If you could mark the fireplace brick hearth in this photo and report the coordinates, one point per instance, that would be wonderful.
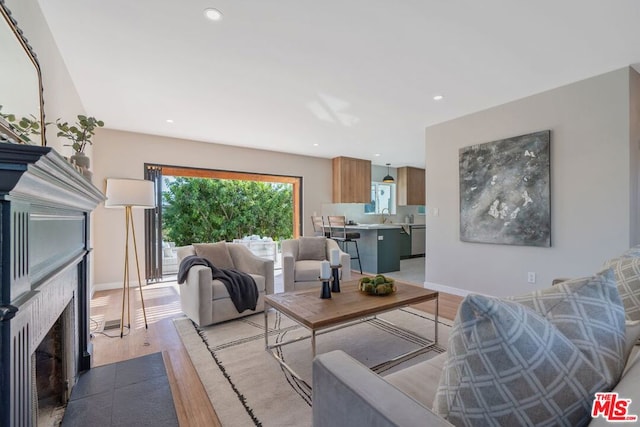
(45, 206)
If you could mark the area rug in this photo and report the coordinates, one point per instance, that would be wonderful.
(247, 386)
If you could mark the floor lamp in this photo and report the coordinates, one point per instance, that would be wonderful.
(129, 194)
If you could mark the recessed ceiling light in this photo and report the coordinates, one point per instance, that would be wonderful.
(316, 144)
(438, 97)
(213, 14)
(169, 121)
(377, 154)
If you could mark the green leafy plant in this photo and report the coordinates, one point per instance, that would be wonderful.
(23, 127)
(209, 210)
(79, 133)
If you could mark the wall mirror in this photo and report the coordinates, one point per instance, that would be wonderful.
(20, 86)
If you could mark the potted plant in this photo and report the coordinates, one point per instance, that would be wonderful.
(80, 134)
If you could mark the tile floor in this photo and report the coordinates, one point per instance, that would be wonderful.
(134, 392)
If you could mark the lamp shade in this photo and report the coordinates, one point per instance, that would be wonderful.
(136, 193)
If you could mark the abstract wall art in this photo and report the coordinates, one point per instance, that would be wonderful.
(504, 191)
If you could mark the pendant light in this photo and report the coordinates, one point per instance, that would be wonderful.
(388, 178)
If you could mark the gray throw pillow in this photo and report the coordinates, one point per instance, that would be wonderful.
(312, 248)
(507, 365)
(216, 253)
(589, 312)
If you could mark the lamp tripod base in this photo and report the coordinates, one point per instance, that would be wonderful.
(125, 283)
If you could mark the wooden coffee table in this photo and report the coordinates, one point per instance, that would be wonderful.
(345, 308)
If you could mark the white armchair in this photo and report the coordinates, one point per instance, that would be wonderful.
(301, 260)
(206, 301)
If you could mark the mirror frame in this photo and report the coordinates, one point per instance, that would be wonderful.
(5, 127)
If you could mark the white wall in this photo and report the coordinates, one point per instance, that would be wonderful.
(591, 194)
(119, 154)
(60, 96)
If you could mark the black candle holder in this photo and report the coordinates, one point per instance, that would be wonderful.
(326, 290)
(335, 287)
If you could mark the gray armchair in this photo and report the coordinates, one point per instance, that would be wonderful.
(301, 260)
(206, 301)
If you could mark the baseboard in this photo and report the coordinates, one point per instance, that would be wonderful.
(447, 289)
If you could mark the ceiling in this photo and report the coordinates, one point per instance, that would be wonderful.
(328, 78)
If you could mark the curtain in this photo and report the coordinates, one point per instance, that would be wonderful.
(153, 227)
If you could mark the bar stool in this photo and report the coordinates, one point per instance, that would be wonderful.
(319, 228)
(338, 232)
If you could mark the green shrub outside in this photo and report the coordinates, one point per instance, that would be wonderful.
(212, 210)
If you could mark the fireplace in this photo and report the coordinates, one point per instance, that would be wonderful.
(45, 207)
(52, 364)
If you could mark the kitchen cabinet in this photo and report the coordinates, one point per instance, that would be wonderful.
(388, 254)
(418, 240)
(411, 186)
(351, 180)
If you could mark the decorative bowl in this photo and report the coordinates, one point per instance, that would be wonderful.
(378, 285)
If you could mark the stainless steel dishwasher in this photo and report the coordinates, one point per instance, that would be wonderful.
(418, 239)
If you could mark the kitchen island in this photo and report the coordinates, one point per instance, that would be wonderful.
(379, 246)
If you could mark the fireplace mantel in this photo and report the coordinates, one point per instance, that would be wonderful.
(45, 207)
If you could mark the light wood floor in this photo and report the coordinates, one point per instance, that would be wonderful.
(162, 304)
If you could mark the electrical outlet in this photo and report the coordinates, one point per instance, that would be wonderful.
(531, 277)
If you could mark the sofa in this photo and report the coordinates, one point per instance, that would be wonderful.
(535, 359)
(301, 260)
(206, 301)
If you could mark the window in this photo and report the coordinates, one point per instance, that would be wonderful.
(383, 198)
(155, 250)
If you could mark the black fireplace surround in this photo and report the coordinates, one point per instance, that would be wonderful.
(45, 207)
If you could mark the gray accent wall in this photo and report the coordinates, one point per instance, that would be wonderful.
(634, 153)
(594, 184)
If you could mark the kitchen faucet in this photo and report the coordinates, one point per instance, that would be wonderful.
(383, 219)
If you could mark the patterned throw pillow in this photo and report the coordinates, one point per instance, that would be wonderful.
(632, 252)
(508, 365)
(588, 311)
(627, 272)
